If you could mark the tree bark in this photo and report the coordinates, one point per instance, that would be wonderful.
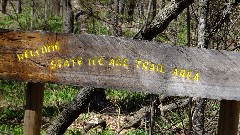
(162, 19)
(4, 6)
(72, 111)
(152, 113)
(224, 16)
(56, 7)
(81, 19)
(134, 121)
(19, 6)
(202, 23)
(131, 7)
(202, 31)
(46, 9)
(33, 14)
(139, 12)
(154, 8)
(67, 17)
(117, 31)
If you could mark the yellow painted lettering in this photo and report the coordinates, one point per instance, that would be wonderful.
(44, 49)
(196, 77)
(53, 65)
(59, 63)
(118, 61)
(57, 46)
(73, 61)
(100, 61)
(188, 76)
(145, 65)
(152, 66)
(48, 48)
(66, 63)
(91, 61)
(175, 71)
(20, 56)
(79, 61)
(182, 72)
(138, 61)
(31, 53)
(26, 54)
(53, 47)
(111, 62)
(124, 63)
(159, 68)
(37, 52)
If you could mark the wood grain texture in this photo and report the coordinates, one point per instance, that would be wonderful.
(33, 109)
(218, 71)
(229, 117)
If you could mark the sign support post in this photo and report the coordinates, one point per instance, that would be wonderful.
(33, 109)
(229, 117)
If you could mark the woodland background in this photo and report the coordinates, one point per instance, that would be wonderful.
(200, 23)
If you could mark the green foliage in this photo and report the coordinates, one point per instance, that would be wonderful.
(54, 23)
(11, 129)
(12, 92)
(96, 27)
(137, 132)
(23, 21)
(128, 33)
(58, 95)
(181, 34)
(130, 101)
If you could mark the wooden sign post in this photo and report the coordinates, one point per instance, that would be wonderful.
(33, 109)
(110, 62)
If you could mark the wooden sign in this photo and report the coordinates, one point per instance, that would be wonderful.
(110, 62)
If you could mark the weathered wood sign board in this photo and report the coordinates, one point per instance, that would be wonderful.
(110, 62)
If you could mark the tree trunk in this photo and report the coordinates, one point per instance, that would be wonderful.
(202, 23)
(162, 4)
(72, 111)
(139, 12)
(33, 14)
(19, 6)
(117, 31)
(56, 7)
(200, 103)
(121, 7)
(81, 19)
(131, 7)
(67, 17)
(152, 114)
(46, 9)
(198, 118)
(162, 19)
(148, 12)
(154, 8)
(4, 6)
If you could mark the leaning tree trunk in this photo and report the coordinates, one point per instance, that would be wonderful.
(71, 112)
(162, 19)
